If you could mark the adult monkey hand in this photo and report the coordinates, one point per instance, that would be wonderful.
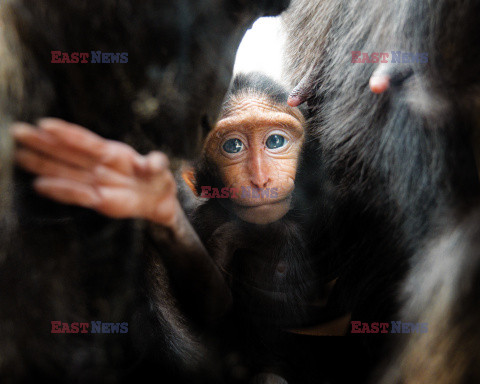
(79, 167)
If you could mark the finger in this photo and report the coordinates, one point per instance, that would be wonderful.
(74, 136)
(122, 203)
(157, 162)
(153, 163)
(115, 154)
(120, 157)
(160, 184)
(68, 191)
(106, 176)
(44, 166)
(110, 201)
(129, 203)
(140, 165)
(43, 142)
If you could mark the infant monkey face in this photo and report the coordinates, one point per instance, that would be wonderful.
(256, 147)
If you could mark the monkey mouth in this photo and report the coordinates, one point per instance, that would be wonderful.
(256, 203)
(264, 212)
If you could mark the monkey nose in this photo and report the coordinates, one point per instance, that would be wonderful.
(260, 182)
(259, 170)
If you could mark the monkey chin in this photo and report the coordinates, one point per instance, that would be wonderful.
(264, 213)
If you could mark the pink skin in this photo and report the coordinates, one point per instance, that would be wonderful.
(379, 83)
(302, 91)
(76, 166)
(295, 101)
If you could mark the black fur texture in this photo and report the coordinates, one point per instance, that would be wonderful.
(72, 265)
(399, 163)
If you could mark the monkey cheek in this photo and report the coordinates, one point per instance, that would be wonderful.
(263, 214)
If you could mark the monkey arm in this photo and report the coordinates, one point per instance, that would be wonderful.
(81, 168)
(195, 277)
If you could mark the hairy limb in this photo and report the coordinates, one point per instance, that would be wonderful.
(195, 276)
(76, 166)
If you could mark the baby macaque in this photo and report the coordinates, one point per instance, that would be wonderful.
(253, 151)
(246, 245)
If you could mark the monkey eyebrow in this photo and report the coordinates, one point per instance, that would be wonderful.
(248, 121)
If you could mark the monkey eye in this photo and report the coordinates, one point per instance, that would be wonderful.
(275, 141)
(233, 146)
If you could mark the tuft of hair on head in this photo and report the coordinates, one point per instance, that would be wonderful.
(246, 85)
(261, 84)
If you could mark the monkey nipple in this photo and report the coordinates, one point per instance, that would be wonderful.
(379, 83)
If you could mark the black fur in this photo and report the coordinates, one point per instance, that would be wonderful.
(442, 291)
(69, 264)
(400, 161)
(273, 272)
(257, 83)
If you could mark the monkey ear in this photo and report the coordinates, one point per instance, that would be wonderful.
(188, 175)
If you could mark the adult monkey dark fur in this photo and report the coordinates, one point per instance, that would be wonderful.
(254, 148)
(399, 160)
(443, 291)
(60, 263)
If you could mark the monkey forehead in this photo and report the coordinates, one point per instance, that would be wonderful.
(248, 102)
(256, 114)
